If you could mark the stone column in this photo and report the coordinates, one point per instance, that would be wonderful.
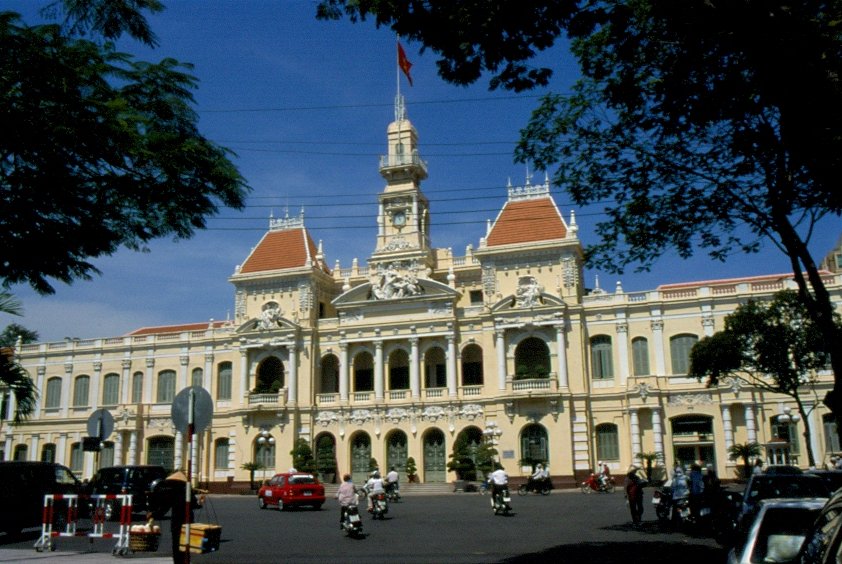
(207, 377)
(65, 389)
(244, 373)
(118, 448)
(378, 370)
(132, 447)
(658, 341)
(7, 448)
(343, 372)
(751, 428)
(501, 358)
(623, 351)
(184, 361)
(658, 432)
(451, 365)
(414, 368)
(634, 427)
(727, 425)
(292, 386)
(125, 380)
(33, 452)
(561, 346)
(61, 449)
(147, 381)
(42, 374)
(93, 400)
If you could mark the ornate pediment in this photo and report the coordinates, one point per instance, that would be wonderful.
(388, 289)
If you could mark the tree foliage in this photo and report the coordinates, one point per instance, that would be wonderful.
(98, 150)
(745, 451)
(10, 334)
(773, 346)
(302, 456)
(686, 123)
(12, 374)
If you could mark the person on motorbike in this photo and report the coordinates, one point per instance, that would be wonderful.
(536, 479)
(392, 480)
(602, 474)
(680, 487)
(374, 486)
(346, 495)
(499, 479)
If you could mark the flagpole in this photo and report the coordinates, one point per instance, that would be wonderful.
(397, 65)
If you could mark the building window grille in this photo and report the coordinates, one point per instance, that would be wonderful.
(166, 386)
(640, 356)
(111, 389)
(607, 442)
(80, 391)
(601, 358)
(680, 346)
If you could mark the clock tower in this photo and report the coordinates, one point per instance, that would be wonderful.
(403, 221)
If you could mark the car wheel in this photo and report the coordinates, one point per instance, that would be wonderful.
(261, 503)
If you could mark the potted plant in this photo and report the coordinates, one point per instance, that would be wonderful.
(411, 470)
(302, 456)
(326, 460)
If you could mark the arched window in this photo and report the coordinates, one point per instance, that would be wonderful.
(607, 442)
(197, 377)
(270, 376)
(329, 382)
(53, 399)
(363, 372)
(223, 381)
(166, 386)
(161, 452)
(111, 389)
(602, 356)
(680, 346)
(532, 359)
(220, 454)
(48, 453)
(534, 445)
(435, 368)
(81, 385)
(831, 433)
(399, 370)
(640, 356)
(20, 452)
(472, 374)
(137, 387)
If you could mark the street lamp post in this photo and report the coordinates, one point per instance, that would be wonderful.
(265, 440)
(491, 434)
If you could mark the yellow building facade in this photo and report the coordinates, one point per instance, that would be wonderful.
(400, 357)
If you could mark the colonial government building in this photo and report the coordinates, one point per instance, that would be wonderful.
(401, 356)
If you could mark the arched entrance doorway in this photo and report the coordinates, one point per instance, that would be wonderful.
(326, 457)
(692, 440)
(396, 451)
(360, 457)
(435, 456)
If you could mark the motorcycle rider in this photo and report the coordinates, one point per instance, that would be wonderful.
(499, 480)
(374, 486)
(346, 495)
(602, 474)
(392, 480)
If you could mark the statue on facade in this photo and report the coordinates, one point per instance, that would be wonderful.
(393, 285)
(528, 292)
(270, 317)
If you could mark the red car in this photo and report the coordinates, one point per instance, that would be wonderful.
(291, 489)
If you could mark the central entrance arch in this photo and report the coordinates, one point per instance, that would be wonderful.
(360, 457)
(435, 456)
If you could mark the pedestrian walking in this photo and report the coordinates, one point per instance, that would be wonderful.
(634, 493)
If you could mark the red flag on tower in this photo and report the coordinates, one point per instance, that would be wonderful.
(404, 63)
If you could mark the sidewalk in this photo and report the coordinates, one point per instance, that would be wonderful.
(75, 556)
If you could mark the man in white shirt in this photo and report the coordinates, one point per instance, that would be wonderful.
(499, 479)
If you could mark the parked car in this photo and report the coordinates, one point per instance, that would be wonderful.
(778, 531)
(782, 469)
(832, 478)
(769, 486)
(291, 489)
(128, 479)
(823, 544)
(23, 486)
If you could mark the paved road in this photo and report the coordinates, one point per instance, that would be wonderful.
(564, 527)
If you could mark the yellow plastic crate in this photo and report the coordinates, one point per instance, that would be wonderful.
(204, 538)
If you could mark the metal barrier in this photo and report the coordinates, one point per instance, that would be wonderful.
(100, 513)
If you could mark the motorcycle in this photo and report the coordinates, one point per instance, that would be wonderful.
(392, 493)
(501, 501)
(672, 512)
(379, 506)
(593, 484)
(542, 487)
(351, 522)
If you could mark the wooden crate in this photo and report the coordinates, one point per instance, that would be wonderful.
(144, 542)
(203, 537)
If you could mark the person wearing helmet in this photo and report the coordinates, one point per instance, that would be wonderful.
(373, 487)
(602, 473)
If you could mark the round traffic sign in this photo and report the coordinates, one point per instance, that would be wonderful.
(100, 424)
(202, 409)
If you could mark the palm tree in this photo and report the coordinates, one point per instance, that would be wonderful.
(745, 451)
(12, 375)
(252, 467)
(649, 459)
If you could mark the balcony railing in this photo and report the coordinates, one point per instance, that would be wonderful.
(535, 384)
(276, 398)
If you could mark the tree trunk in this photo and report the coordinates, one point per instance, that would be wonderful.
(811, 459)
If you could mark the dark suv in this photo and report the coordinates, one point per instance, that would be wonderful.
(135, 480)
(22, 489)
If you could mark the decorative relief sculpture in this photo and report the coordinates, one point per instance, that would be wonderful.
(325, 418)
(691, 399)
(270, 317)
(391, 285)
(433, 413)
(528, 292)
(396, 415)
(472, 411)
(360, 416)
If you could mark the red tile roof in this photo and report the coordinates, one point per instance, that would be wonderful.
(527, 221)
(176, 328)
(289, 248)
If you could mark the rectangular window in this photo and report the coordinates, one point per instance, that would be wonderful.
(607, 443)
(77, 457)
(197, 377)
(53, 400)
(640, 356)
(111, 389)
(137, 387)
(223, 381)
(831, 434)
(476, 297)
(80, 391)
(166, 386)
(680, 346)
(220, 458)
(601, 358)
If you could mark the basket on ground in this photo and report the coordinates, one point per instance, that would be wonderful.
(144, 542)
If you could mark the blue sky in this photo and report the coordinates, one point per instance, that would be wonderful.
(304, 105)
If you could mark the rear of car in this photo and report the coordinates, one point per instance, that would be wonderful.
(778, 486)
(290, 489)
(23, 486)
(778, 531)
(131, 479)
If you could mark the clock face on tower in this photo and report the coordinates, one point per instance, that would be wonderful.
(399, 218)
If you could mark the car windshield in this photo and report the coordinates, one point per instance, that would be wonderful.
(782, 533)
(111, 476)
(302, 479)
(765, 487)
